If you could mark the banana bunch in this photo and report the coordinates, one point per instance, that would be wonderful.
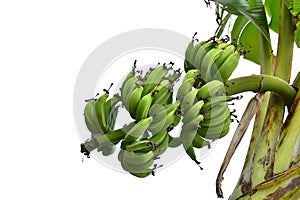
(206, 115)
(138, 94)
(100, 117)
(201, 105)
(137, 153)
(216, 59)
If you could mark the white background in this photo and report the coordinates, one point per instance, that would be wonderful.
(42, 47)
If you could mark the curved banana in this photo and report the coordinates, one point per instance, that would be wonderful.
(189, 100)
(227, 68)
(222, 58)
(111, 111)
(194, 73)
(194, 51)
(214, 101)
(137, 158)
(143, 107)
(187, 64)
(215, 111)
(128, 86)
(210, 89)
(215, 121)
(185, 87)
(205, 48)
(162, 93)
(209, 62)
(154, 78)
(100, 112)
(90, 117)
(162, 147)
(163, 117)
(200, 142)
(137, 131)
(193, 112)
(213, 133)
(134, 100)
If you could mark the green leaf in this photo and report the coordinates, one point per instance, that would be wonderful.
(272, 8)
(256, 14)
(250, 39)
(293, 6)
(297, 35)
(252, 2)
(238, 26)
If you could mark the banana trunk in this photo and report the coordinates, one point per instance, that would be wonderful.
(282, 179)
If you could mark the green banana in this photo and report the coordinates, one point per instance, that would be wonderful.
(215, 111)
(158, 138)
(222, 58)
(111, 111)
(143, 174)
(200, 142)
(189, 130)
(202, 53)
(191, 74)
(187, 62)
(185, 87)
(192, 125)
(222, 45)
(139, 146)
(128, 86)
(90, 117)
(143, 107)
(136, 162)
(100, 113)
(213, 133)
(146, 145)
(215, 121)
(134, 100)
(162, 93)
(154, 78)
(137, 131)
(210, 89)
(174, 77)
(193, 112)
(113, 137)
(191, 153)
(174, 141)
(214, 101)
(189, 100)
(208, 62)
(137, 168)
(162, 147)
(137, 158)
(111, 119)
(194, 51)
(164, 119)
(227, 68)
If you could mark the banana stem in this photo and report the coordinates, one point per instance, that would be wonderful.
(87, 147)
(288, 152)
(251, 109)
(285, 44)
(245, 182)
(261, 83)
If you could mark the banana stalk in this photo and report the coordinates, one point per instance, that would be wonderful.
(261, 83)
(271, 169)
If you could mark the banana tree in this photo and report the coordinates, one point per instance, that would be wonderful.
(271, 168)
